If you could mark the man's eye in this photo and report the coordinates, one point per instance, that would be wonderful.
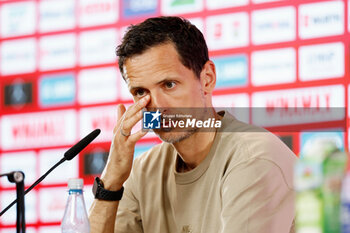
(170, 85)
(139, 92)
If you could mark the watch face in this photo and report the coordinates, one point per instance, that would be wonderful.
(94, 188)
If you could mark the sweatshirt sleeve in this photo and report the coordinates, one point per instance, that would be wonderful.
(128, 215)
(256, 198)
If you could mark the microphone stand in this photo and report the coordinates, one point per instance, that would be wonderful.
(33, 185)
(18, 178)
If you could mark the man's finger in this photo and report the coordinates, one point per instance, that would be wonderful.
(120, 111)
(139, 105)
(129, 123)
(133, 138)
(133, 115)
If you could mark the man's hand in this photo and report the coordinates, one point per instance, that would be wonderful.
(122, 149)
(103, 213)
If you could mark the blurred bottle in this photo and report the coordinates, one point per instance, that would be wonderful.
(318, 178)
(345, 206)
(309, 206)
(334, 170)
(75, 219)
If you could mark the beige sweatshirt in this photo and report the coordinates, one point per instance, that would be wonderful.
(243, 185)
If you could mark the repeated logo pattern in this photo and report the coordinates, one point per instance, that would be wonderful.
(59, 79)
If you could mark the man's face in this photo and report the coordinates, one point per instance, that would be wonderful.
(158, 72)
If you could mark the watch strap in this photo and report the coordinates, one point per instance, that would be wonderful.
(103, 194)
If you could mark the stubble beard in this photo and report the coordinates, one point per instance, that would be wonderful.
(178, 135)
(175, 137)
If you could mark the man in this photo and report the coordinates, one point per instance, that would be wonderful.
(235, 179)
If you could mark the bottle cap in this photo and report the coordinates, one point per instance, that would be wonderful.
(75, 183)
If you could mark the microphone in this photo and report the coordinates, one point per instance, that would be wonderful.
(74, 150)
(68, 155)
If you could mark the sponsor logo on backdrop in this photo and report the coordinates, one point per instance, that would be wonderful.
(321, 19)
(97, 47)
(231, 71)
(18, 56)
(17, 18)
(103, 118)
(98, 12)
(18, 94)
(300, 105)
(22, 161)
(171, 7)
(321, 61)
(57, 90)
(31, 215)
(41, 129)
(273, 25)
(62, 173)
(227, 31)
(56, 15)
(273, 66)
(52, 204)
(218, 4)
(95, 161)
(55, 55)
(97, 85)
(137, 8)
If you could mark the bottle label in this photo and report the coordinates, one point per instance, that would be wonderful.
(79, 191)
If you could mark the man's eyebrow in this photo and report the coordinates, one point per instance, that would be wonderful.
(166, 80)
(135, 88)
(159, 82)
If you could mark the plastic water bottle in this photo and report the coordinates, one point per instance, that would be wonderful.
(75, 219)
(345, 206)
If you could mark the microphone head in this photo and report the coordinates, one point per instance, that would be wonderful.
(77, 148)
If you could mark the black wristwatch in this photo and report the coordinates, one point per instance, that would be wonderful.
(104, 194)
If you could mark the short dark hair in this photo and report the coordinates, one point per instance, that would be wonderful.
(189, 42)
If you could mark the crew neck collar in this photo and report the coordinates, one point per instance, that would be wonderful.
(191, 176)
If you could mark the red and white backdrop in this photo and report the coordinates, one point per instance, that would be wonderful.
(59, 79)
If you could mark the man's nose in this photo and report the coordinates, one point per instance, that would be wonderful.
(156, 101)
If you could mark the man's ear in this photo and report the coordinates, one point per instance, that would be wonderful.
(208, 77)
